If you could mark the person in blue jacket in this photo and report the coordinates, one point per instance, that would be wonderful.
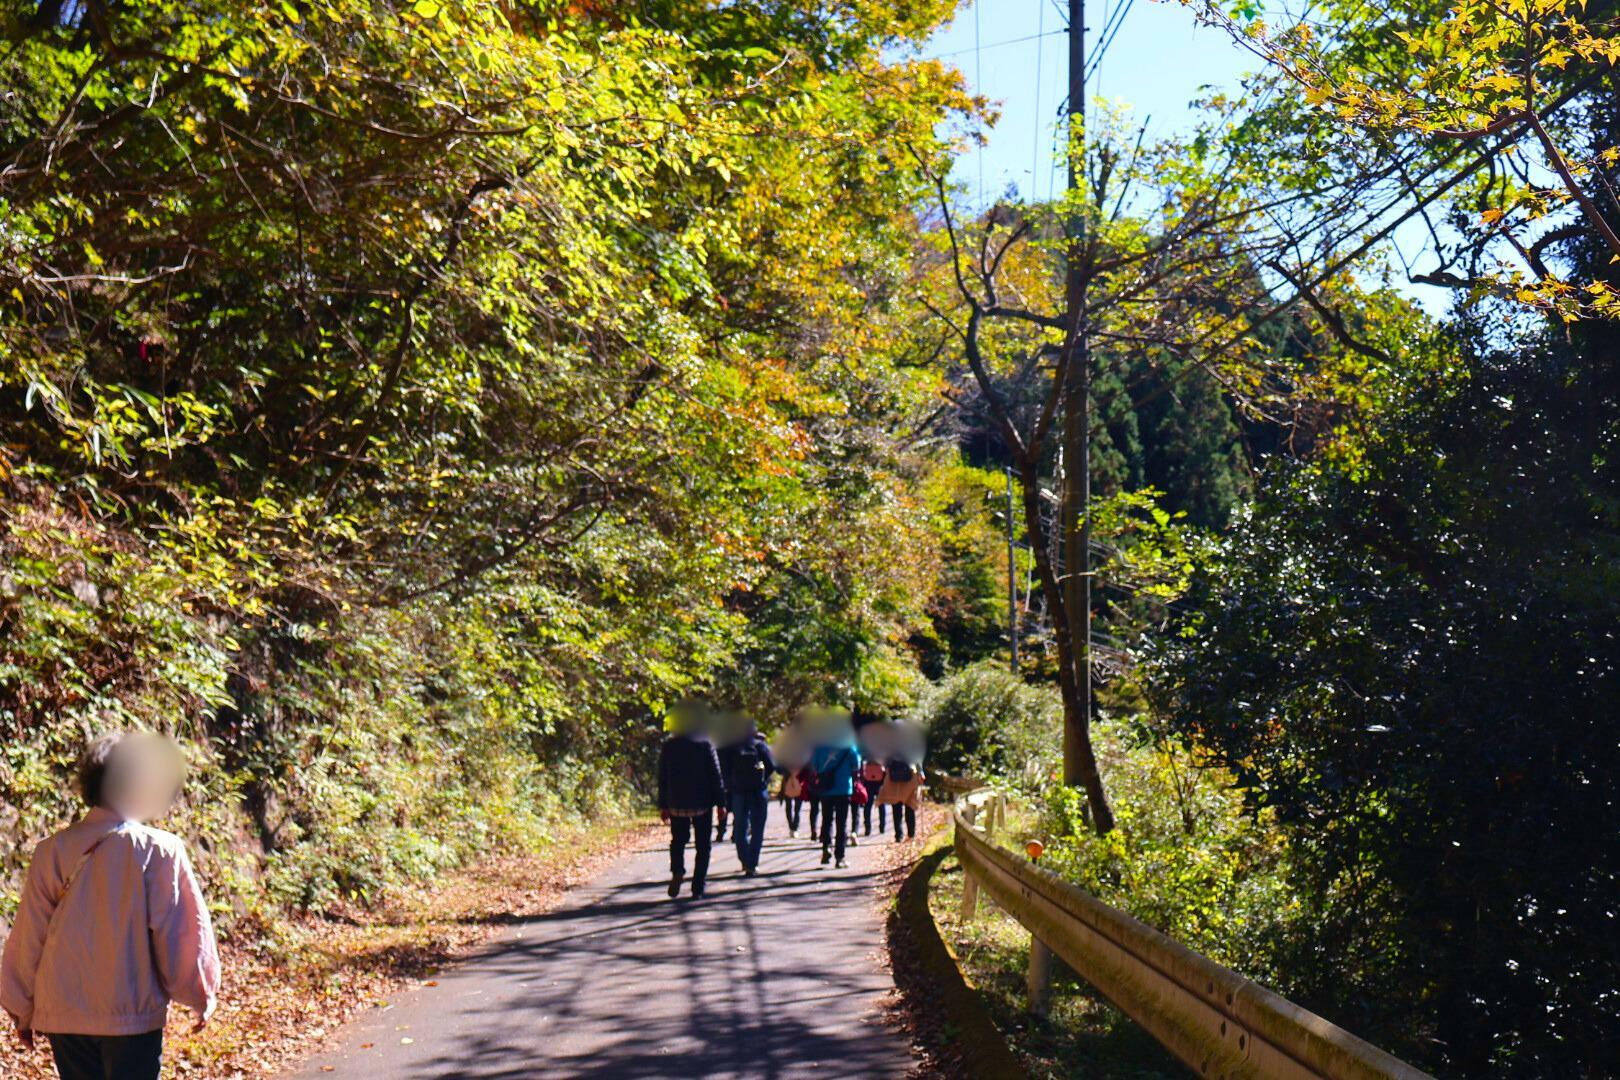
(836, 764)
(689, 788)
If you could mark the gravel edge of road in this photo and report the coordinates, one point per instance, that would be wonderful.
(951, 1034)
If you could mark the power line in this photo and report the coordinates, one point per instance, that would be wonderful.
(978, 85)
(991, 45)
(1110, 30)
(1109, 8)
(1035, 143)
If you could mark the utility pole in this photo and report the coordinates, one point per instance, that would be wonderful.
(1075, 519)
(1012, 575)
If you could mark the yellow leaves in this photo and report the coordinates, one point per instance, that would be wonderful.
(1491, 217)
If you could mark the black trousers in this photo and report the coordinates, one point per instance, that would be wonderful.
(795, 811)
(696, 829)
(815, 809)
(872, 790)
(834, 807)
(108, 1057)
(911, 820)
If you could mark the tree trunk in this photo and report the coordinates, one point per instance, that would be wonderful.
(1079, 759)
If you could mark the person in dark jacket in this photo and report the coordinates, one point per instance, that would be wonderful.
(689, 788)
(747, 771)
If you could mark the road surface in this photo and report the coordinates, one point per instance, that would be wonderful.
(774, 976)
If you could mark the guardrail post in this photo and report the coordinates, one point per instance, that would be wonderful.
(970, 896)
(1038, 980)
(1001, 811)
(990, 817)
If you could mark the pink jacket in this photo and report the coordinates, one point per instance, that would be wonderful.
(133, 933)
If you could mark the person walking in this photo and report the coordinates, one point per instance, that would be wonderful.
(872, 775)
(835, 766)
(808, 785)
(792, 795)
(902, 789)
(689, 788)
(112, 925)
(723, 753)
(748, 776)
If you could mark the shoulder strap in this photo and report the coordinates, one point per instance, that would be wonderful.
(73, 876)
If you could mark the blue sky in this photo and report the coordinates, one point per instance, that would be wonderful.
(1159, 61)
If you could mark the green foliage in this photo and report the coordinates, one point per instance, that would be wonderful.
(986, 722)
(401, 401)
(967, 615)
(1169, 427)
(1183, 856)
(1412, 666)
(1083, 1036)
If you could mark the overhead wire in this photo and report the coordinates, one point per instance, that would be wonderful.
(989, 45)
(978, 84)
(1035, 143)
(1110, 30)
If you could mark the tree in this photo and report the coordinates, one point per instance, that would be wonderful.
(407, 397)
(1175, 289)
(1413, 667)
(1479, 103)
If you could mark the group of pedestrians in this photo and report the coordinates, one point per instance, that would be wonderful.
(821, 763)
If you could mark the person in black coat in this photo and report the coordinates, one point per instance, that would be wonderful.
(689, 788)
(747, 767)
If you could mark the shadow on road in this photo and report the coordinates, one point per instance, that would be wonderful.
(771, 976)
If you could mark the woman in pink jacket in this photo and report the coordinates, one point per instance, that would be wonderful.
(112, 925)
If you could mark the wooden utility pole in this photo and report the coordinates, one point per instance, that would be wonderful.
(1075, 518)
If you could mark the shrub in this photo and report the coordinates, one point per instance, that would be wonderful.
(1183, 857)
(987, 722)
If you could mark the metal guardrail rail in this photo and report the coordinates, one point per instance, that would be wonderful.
(1220, 1024)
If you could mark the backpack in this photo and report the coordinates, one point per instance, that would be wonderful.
(829, 772)
(900, 771)
(748, 774)
(872, 772)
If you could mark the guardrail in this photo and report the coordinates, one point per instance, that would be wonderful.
(1217, 1022)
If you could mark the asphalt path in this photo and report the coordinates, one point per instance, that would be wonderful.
(773, 976)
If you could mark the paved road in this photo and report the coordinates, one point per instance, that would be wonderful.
(775, 976)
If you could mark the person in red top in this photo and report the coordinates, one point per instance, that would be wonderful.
(871, 778)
